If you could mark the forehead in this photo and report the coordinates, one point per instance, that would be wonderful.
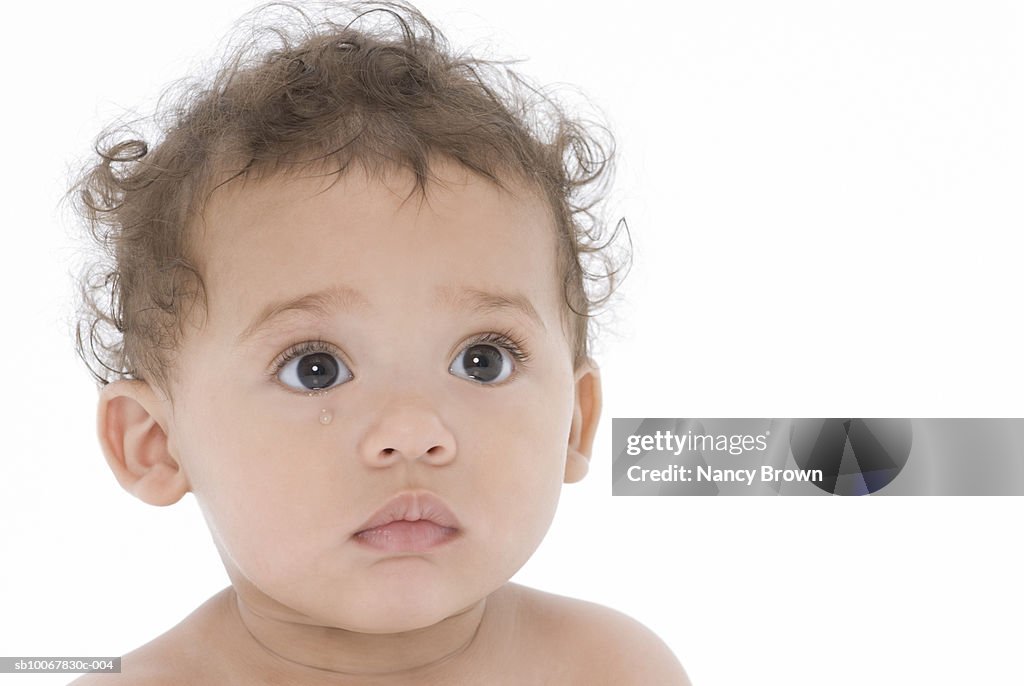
(378, 241)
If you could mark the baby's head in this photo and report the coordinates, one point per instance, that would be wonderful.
(353, 277)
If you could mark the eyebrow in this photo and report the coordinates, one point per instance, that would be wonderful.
(346, 298)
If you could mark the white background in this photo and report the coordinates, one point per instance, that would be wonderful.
(825, 200)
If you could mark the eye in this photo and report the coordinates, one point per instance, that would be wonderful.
(488, 361)
(309, 367)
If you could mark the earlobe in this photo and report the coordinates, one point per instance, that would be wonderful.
(130, 423)
(586, 413)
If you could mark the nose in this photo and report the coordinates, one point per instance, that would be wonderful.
(408, 433)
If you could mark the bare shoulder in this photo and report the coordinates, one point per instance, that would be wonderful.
(609, 647)
(148, 665)
(175, 657)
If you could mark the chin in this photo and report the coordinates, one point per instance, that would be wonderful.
(391, 613)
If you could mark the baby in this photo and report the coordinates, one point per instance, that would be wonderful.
(346, 307)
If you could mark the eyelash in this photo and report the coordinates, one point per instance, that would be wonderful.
(300, 349)
(505, 339)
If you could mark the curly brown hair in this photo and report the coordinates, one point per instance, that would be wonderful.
(381, 88)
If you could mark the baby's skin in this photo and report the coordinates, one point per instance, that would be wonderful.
(365, 345)
(519, 636)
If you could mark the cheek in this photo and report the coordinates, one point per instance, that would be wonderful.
(520, 492)
(519, 458)
(248, 469)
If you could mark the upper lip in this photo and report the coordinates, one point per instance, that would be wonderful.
(412, 506)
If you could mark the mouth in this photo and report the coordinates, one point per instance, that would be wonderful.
(413, 521)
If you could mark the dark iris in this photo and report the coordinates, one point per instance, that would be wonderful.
(318, 370)
(482, 362)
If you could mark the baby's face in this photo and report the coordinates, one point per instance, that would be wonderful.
(434, 345)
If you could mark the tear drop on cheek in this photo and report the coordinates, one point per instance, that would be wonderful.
(326, 416)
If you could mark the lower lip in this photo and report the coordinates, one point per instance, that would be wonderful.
(406, 537)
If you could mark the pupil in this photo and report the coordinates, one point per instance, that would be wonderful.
(317, 370)
(482, 362)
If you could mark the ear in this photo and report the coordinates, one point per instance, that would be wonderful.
(585, 416)
(131, 422)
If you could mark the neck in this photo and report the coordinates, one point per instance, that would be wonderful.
(308, 650)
